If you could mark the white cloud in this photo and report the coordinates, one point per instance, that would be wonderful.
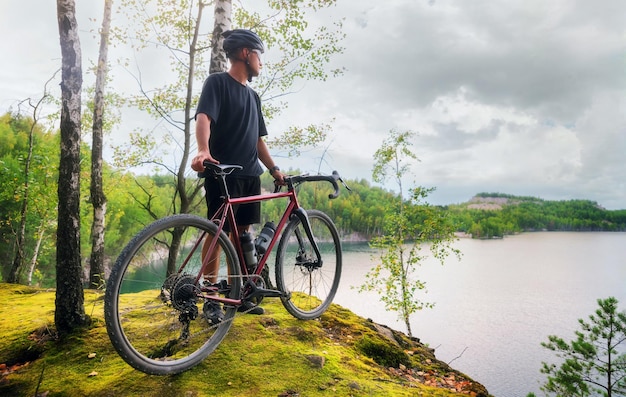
(517, 96)
(511, 96)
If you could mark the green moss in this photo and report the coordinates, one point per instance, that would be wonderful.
(385, 354)
(268, 355)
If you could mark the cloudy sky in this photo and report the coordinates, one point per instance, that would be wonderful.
(523, 97)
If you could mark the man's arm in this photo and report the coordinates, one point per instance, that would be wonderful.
(266, 159)
(203, 132)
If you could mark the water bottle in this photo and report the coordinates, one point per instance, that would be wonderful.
(249, 253)
(263, 241)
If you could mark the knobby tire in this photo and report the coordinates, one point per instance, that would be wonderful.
(310, 288)
(153, 315)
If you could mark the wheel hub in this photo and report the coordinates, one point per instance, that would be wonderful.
(183, 292)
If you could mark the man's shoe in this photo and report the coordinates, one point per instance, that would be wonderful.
(250, 308)
(213, 312)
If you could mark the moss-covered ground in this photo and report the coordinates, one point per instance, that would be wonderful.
(274, 354)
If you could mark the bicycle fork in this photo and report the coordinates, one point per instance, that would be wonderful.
(304, 219)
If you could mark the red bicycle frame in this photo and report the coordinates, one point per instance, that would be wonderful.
(225, 212)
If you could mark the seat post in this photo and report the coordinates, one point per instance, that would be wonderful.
(224, 186)
(220, 170)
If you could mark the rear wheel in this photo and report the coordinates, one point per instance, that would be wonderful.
(310, 285)
(153, 309)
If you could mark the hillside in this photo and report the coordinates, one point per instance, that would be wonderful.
(340, 354)
(489, 215)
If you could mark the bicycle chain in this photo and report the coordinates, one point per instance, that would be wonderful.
(237, 313)
(210, 327)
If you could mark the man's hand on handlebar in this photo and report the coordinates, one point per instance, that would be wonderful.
(279, 178)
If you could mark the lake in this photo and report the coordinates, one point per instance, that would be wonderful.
(501, 300)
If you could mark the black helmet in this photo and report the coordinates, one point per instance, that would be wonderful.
(241, 38)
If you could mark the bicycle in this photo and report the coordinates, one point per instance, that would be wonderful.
(155, 288)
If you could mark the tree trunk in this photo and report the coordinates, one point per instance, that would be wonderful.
(20, 238)
(98, 199)
(33, 262)
(222, 16)
(69, 305)
(181, 187)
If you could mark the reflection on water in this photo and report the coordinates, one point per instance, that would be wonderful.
(144, 278)
(150, 270)
(502, 300)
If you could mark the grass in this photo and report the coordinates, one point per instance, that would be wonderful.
(339, 354)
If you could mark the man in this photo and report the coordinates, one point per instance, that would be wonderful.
(229, 130)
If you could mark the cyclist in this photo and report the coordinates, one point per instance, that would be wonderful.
(230, 129)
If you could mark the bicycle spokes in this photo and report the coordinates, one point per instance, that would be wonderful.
(154, 317)
(311, 282)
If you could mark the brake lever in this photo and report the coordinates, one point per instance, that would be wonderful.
(344, 184)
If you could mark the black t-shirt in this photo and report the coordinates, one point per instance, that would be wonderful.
(236, 122)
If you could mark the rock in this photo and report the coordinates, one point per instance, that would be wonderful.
(386, 332)
(289, 393)
(315, 360)
(354, 386)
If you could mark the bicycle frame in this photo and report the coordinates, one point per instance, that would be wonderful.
(226, 215)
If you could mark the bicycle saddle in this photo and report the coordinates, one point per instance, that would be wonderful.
(218, 169)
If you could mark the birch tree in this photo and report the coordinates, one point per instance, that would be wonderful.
(97, 196)
(175, 29)
(26, 145)
(69, 304)
(20, 237)
(409, 228)
(222, 15)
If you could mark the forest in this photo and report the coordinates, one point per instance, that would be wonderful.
(134, 200)
(510, 214)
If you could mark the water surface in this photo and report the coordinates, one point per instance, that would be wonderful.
(496, 305)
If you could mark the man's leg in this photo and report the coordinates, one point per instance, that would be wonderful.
(212, 310)
(212, 269)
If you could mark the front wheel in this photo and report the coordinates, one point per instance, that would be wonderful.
(153, 305)
(309, 285)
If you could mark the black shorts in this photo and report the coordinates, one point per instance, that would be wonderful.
(245, 214)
